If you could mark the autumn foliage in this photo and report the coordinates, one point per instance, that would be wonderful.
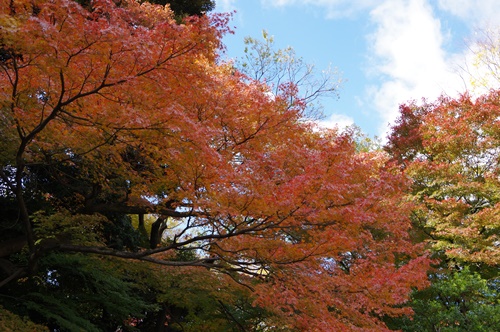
(118, 112)
(455, 173)
(449, 149)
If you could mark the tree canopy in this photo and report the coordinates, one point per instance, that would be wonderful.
(450, 151)
(146, 184)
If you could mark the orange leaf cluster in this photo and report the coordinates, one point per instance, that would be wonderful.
(455, 173)
(157, 124)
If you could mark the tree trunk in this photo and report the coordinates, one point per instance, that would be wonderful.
(161, 319)
(156, 233)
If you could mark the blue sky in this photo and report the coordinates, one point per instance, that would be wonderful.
(387, 51)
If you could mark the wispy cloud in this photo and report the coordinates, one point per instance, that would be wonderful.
(480, 14)
(339, 121)
(332, 8)
(226, 5)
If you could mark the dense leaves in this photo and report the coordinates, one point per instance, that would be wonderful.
(452, 157)
(458, 301)
(450, 150)
(129, 146)
(73, 292)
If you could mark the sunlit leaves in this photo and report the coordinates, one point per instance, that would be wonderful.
(483, 73)
(455, 169)
(118, 111)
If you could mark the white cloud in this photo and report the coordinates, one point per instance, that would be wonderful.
(481, 13)
(339, 121)
(407, 46)
(409, 53)
(473, 11)
(225, 5)
(333, 8)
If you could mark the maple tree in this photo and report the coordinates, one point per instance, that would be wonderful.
(452, 157)
(116, 112)
(450, 150)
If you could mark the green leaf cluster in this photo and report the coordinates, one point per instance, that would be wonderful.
(458, 301)
(12, 322)
(78, 229)
(80, 293)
